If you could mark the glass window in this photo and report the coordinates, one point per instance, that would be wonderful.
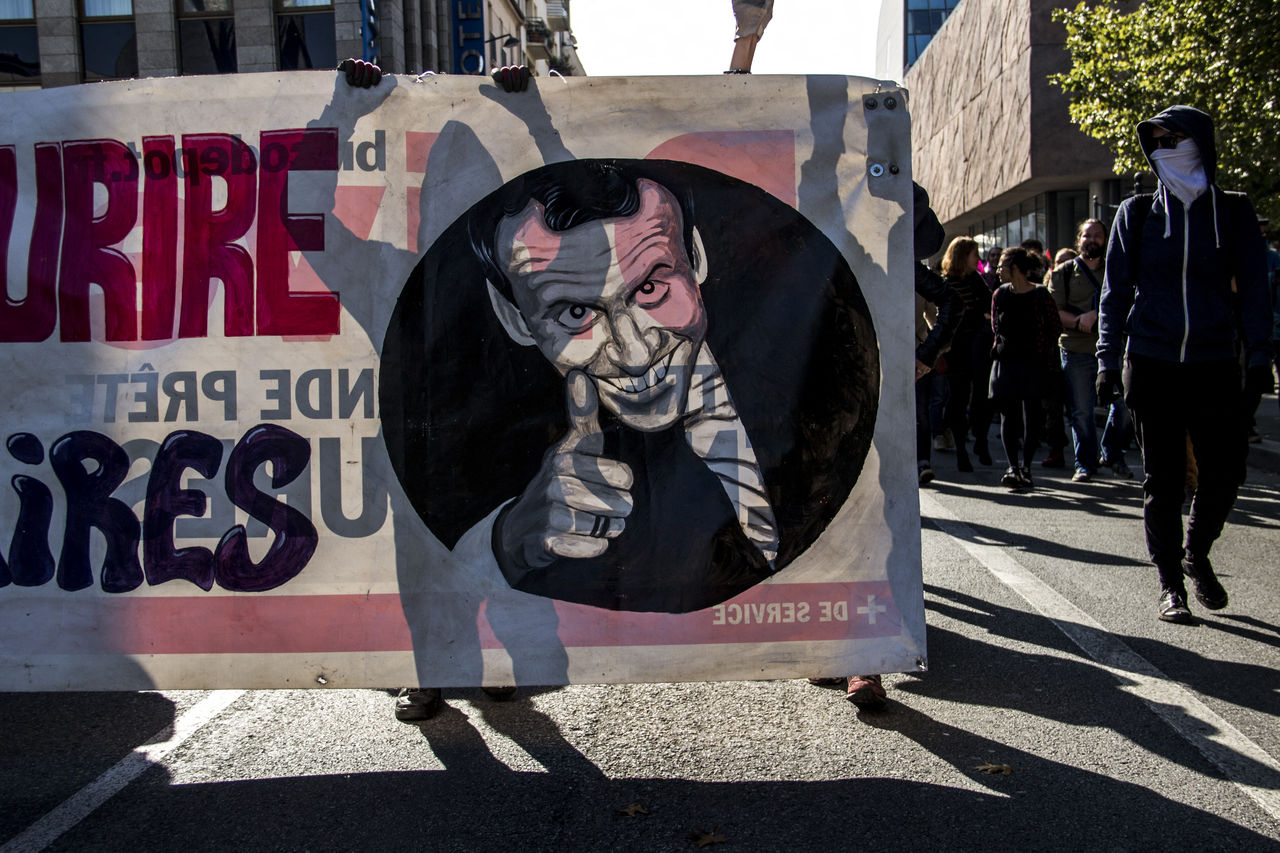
(305, 35)
(108, 45)
(19, 48)
(108, 8)
(206, 37)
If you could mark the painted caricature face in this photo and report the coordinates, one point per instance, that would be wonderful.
(614, 298)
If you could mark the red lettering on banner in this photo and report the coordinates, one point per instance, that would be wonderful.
(87, 238)
(208, 243)
(281, 312)
(159, 239)
(76, 238)
(33, 317)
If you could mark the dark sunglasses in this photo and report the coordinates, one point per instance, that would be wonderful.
(1169, 141)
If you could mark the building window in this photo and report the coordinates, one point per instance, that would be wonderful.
(206, 37)
(924, 18)
(108, 45)
(305, 34)
(19, 51)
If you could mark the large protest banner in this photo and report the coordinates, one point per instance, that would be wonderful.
(434, 384)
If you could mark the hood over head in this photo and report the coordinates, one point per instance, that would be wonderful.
(1194, 123)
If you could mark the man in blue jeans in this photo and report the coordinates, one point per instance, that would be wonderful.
(1076, 286)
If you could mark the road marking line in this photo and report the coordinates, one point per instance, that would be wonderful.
(1225, 746)
(82, 803)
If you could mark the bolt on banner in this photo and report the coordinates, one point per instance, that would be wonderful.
(434, 384)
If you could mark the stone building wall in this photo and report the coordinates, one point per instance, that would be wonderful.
(58, 42)
(157, 35)
(988, 129)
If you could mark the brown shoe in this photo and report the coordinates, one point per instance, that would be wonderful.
(866, 692)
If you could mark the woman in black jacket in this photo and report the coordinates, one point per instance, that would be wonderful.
(968, 360)
(1026, 326)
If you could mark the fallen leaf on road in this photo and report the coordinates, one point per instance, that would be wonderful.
(633, 809)
(701, 838)
(1003, 769)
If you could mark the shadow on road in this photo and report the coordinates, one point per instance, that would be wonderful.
(53, 744)
(1003, 678)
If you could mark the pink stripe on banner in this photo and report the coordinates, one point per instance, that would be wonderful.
(302, 624)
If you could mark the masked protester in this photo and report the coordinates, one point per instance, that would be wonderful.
(1168, 331)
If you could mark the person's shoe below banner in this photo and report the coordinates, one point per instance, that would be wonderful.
(416, 704)
(866, 692)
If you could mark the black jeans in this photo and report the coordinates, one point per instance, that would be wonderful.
(1170, 402)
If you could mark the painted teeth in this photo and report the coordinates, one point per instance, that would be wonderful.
(648, 379)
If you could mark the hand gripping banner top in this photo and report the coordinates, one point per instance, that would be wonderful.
(435, 384)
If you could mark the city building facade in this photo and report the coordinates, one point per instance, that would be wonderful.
(992, 140)
(906, 27)
(45, 43)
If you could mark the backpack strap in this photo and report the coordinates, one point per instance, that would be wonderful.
(1141, 208)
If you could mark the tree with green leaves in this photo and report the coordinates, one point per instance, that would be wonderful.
(1222, 56)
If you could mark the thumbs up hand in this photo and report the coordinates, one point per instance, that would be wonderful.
(578, 500)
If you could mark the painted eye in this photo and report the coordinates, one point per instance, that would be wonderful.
(577, 317)
(650, 293)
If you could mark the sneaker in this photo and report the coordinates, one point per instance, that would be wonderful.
(1055, 459)
(940, 443)
(1024, 479)
(414, 705)
(866, 692)
(1209, 591)
(925, 473)
(1011, 478)
(500, 694)
(1118, 468)
(1081, 476)
(1173, 607)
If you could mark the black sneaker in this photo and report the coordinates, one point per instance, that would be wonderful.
(1173, 607)
(1209, 591)
(414, 705)
(925, 473)
(1011, 479)
(1024, 479)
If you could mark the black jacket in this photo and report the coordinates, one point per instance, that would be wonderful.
(1167, 291)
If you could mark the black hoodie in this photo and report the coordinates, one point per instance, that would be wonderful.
(1167, 290)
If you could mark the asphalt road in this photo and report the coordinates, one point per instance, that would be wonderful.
(1121, 732)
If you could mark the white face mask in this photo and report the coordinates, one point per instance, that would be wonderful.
(1181, 170)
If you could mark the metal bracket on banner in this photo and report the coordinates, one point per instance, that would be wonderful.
(888, 153)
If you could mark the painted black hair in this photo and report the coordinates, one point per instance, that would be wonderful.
(572, 193)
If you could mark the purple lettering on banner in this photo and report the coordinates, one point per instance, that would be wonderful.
(166, 500)
(295, 535)
(30, 560)
(89, 505)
